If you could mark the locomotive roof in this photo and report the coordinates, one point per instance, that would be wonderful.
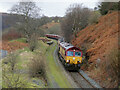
(52, 34)
(66, 45)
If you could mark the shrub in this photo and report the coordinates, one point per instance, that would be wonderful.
(84, 48)
(85, 64)
(33, 42)
(11, 61)
(13, 80)
(93, 17)
(37, 67)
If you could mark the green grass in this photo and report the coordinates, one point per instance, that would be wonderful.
(24, 49)
(55, 72)
(23, 59)
(41, 47)
(23, 40)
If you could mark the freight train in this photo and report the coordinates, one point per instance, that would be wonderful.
(70, 55)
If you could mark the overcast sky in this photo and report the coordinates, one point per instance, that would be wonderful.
(50, 7)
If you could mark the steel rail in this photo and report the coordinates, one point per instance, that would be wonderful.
(86, 80)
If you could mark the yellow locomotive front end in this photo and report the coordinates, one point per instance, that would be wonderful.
(71, 56)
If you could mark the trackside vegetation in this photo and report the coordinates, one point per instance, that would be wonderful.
(26, 69)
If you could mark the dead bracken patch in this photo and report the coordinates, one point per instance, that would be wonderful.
(11, 46)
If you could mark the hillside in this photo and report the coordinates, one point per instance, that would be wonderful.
(9, 20)
(48, 24)
(52, 28)
(99, 40)
(101, 37)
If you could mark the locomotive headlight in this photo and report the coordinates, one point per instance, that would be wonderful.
(67, 61)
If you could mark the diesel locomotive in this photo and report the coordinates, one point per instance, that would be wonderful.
(70, 55)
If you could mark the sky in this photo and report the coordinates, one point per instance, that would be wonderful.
(50, 7)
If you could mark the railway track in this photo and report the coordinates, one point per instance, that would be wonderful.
(80, 80)
(86, 80)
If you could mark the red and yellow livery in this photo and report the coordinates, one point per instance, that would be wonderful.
(71, 56)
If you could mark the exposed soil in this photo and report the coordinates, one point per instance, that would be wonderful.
(99, 39)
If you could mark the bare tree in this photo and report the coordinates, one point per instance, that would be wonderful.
(30, 21)
(28, 9)
(30, 12)
(76, 19)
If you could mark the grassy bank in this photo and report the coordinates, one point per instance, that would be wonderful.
(16, 68)
(23, 40)
(19, 77)
(55, 75)
(20, 60)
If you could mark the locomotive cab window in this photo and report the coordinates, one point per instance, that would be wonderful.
(77, 53)
(69, 53)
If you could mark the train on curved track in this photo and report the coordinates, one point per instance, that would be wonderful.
(70, 55)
